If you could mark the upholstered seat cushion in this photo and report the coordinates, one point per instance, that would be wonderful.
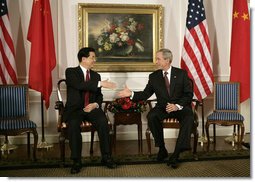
(14, 124)
(230, 116)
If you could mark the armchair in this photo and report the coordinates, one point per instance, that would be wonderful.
(14, 114)
(226, 110)
(86, 126)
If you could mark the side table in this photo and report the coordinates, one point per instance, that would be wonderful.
(128, 119)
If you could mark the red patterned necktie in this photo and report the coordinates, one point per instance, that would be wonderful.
(167, 82)
(86, 102)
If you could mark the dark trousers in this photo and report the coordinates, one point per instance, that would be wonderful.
(186, 120)
(99, 122)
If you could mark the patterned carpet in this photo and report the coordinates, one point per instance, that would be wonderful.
(217, 168)
(6, 164)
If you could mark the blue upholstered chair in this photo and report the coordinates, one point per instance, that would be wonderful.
(14, 118)
(226, 110)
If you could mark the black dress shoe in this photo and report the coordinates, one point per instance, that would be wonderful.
(173, 161)
(162, 154)
(109, 162)
(76, 167)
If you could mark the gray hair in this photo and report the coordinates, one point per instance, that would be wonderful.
(167, 54)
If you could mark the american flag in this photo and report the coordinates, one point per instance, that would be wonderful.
(196, 57)
(8, 72)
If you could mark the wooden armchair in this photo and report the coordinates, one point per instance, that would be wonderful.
(14, 114)
(86, 126)
(174, 124)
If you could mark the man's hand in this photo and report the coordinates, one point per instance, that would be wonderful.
(108, 84)
(125, 92)
(90, 107)
(171, 107)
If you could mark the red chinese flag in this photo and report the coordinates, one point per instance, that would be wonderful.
(42, 58)
(240, 48)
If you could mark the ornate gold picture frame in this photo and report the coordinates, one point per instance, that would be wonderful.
(125, 36)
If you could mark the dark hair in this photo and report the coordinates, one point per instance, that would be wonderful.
(84, 52)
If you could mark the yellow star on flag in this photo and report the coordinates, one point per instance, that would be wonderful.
(245, 16)
(236, 14)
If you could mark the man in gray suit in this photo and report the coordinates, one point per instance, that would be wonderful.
(173, 100)
(84, 99)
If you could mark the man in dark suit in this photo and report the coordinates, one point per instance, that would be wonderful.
(173, 100)
(84, 99)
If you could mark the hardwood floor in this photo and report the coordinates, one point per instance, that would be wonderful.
(124, 147)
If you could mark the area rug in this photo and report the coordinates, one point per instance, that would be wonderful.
(218, 168)
(123, 159)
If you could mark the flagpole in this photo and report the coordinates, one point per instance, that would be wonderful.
(43, 144)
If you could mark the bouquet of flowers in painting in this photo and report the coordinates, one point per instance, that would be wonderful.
(126, 105)
(121, 36)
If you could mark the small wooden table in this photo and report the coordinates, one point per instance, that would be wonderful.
(128, 119)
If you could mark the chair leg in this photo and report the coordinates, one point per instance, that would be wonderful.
(242, 135)
(207, 134)
(214, 137)
(195, 144)
(62, 147)
(92, 141)
(195, 133)
(28, 144)
(114, 137)
(111, 135)
(140, 140)
(148, 139)
(35, 144)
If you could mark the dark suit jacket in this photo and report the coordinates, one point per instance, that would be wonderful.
(180, 89)
(76, 87)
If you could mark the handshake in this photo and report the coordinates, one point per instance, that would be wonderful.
(126, 92)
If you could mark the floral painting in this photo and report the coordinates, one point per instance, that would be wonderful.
(121, 37)
(125, 36)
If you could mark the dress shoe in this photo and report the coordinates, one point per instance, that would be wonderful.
(109, 162)
(173, 163)
(162, 154)
(76, 167)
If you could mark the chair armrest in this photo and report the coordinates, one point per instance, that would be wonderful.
(59, 105)
(150, 101)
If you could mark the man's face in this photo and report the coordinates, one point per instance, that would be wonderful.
(161, 62)
(89, 61)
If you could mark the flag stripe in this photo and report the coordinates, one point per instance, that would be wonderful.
(196, 57)
(7, 57)
(8, 72)
(5, 25)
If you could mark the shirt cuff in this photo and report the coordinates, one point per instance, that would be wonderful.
(132, 95)
(99, 84)
(179, 107)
